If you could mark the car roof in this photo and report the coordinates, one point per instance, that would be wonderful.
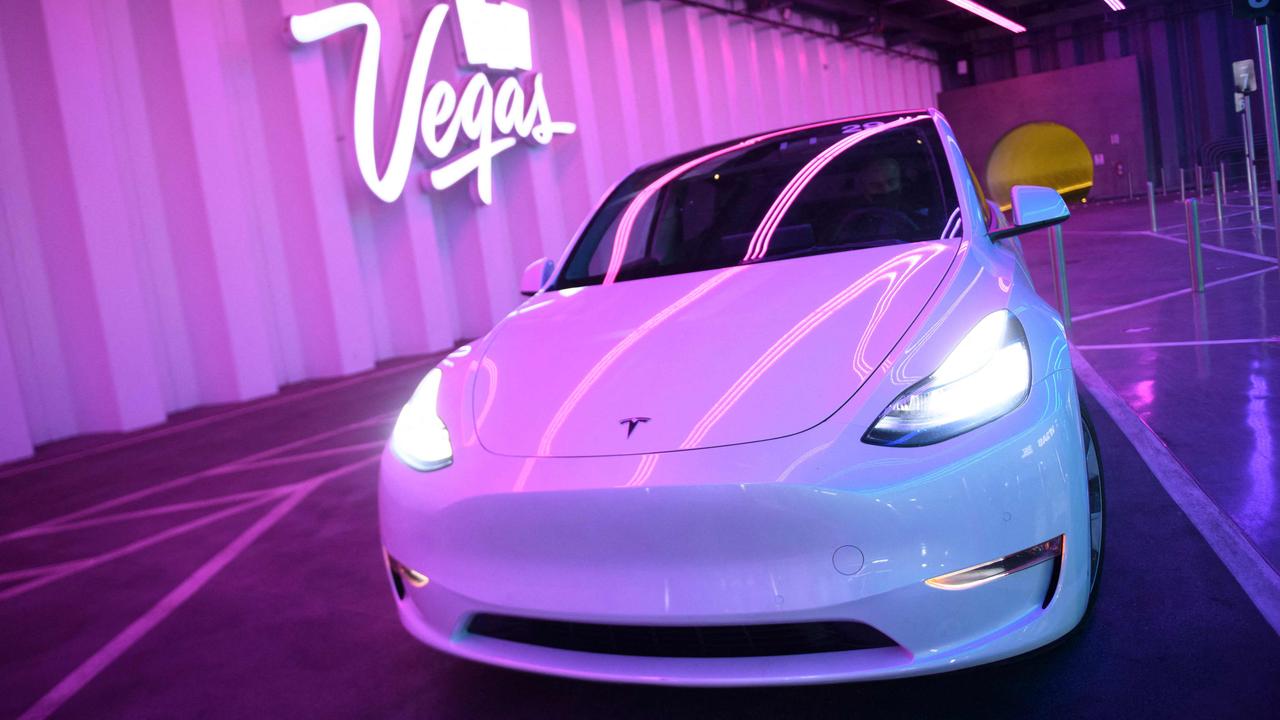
(689, 154)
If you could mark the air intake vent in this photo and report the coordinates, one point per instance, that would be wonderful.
(705, 641)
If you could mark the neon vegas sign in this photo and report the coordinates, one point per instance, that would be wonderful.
(494, 36)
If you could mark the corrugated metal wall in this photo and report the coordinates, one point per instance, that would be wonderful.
(183, 222)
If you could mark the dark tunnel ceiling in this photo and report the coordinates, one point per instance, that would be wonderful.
(943, 26)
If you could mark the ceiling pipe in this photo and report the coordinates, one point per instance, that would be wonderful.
(833, 37)
(888, 18)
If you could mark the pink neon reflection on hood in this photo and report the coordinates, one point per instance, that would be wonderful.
(590, 379)
(895, 272)
(744, 362)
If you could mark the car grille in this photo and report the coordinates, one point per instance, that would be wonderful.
(706, 641)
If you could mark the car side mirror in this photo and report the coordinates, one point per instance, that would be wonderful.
(535, 277)
(1034, 207)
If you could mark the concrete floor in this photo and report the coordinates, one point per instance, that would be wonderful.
(227, 564)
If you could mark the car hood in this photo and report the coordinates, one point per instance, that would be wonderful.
(701, 359)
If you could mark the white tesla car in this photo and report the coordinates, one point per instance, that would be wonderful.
(788, 410)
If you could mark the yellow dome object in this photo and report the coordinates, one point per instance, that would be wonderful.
(1040, 153)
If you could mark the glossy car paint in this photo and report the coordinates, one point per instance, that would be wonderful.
(730, 507)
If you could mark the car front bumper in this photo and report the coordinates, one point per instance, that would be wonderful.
(812, 528)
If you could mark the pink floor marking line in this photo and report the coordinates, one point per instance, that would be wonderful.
(1180, 343)
(169, 429)
(138, 629)
(301, 457)
(25, 573)
(1166, 296)
(78, 566)
(152, 512)
(184, 479)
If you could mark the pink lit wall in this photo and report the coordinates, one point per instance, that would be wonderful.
(182, 221)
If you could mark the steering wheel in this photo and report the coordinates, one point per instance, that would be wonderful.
(875, 222)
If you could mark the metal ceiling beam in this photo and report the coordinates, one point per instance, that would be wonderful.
(926, 32)
(764, 20)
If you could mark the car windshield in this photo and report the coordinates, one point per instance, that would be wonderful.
(835, 187)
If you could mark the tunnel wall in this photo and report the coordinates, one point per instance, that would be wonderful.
(183, 221)
(1099, 102)
(1183, 48)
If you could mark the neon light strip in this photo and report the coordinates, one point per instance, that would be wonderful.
(1114, 5)
(989, 15)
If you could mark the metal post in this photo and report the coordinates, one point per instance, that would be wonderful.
(1266, 81)
(1059, 257)
(1164, 184)
(1199, 182)
(1250, 167)
(1217, 194)
(1182, 185)
(1130, 179)
(1222, 167)
(1193, 245)
(1151, 200)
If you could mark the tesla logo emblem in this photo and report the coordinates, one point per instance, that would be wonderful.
(631, 423)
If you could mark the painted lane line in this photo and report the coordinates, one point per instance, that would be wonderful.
(1215, 248)
(1210, 220)
(1174, 238)
(301, 457)
(169, 429)
(152, 512)
(1181, 343)
(38, 571)
(138, 629)
(1166, 296)
(1181, 241)
(184, 479)
(1256, 576)
(78, 566)
(301, 442)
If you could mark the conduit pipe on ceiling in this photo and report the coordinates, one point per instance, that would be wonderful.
(834, 37)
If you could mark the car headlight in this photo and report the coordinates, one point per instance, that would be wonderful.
(420, 438)
(987, 375)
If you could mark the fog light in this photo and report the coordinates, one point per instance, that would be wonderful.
(406, 573)
(1000, 567)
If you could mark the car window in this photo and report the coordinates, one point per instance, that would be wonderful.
(834, 188)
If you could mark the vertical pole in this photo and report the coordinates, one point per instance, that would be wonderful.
(1151, 201)
(1193, 245)
(1222, 167)
(1199, 181)
(1130, 178)
(1250, 166)
(1266, 81)
(1182, 185)
(1060, 274)
(1164, 183)
(1217, 194)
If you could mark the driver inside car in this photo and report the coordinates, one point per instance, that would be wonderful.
(879, 207)
(879, 184)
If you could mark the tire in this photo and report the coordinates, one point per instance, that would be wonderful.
(1097, 506)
